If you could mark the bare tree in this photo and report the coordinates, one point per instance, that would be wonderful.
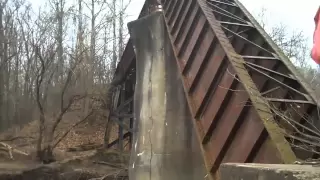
(114, 44)
(46, 139)
(3, 64)
(303, 136)
(294, 44)
(43, 75)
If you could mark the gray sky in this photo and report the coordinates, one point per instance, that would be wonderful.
(297, 15)
(294, 13)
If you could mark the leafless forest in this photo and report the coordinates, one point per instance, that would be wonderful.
(55, 59)
(294, 43)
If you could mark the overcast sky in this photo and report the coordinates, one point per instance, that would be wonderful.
(297, 15)
(294, 13)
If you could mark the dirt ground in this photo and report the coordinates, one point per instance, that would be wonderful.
(96, 164)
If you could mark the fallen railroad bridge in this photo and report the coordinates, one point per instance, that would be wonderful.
(201, 81)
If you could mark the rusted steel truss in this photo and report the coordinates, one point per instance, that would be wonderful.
(124, 80)
(121, 113)
(248, 102)
(124, 73)
(238, 83)
(127, 61)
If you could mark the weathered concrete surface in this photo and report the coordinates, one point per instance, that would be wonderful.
(165, 146)
(234, 171)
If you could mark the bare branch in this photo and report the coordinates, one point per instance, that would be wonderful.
(73, 126)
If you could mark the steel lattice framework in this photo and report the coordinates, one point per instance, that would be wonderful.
(238, 83)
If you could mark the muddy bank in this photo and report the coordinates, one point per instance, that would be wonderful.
(46, 172)
(102, 165)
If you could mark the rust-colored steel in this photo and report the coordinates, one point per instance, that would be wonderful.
(236, 81)
(234, 78)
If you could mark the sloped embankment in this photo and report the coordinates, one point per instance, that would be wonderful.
(99, 165)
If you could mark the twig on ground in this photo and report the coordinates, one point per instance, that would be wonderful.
(313, 163)
(11, 149)
(73, 126)
(84, 147)
(109, 164)
(15, 138)
(114, 174)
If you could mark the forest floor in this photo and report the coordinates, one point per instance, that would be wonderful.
(72, 161)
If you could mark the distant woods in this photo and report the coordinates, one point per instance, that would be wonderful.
(63, 55)
(295, 45)
(55, 57)
(68, 48)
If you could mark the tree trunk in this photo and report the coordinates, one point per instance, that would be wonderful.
(121, 30)
(40, 136)
(60, 65)
(91, 61)
(16, 115)
(3, 122)
(46, 155)
(114, 46)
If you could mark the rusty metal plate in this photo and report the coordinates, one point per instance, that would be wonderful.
(233, 76)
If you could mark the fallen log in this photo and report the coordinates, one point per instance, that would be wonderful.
(6, 147)
(84, 147)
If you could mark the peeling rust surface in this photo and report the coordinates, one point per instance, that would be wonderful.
(220, 101)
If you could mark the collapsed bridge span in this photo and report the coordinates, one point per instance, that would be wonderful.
(246, 100)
